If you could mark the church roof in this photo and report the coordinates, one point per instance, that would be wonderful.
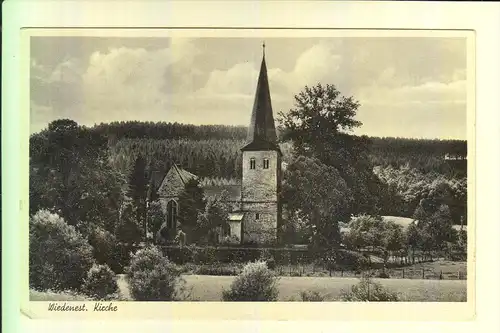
(262, 131)
(233, 191)
(186, 176)
(174, 181)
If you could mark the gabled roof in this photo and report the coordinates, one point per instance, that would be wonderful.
(174, 181)
(186, 176)
(262, 131)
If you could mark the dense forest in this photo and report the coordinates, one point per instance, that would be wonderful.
(213, 150)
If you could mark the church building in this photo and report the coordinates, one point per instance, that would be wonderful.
(256, 208)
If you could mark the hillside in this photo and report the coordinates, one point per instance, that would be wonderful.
(213, 150)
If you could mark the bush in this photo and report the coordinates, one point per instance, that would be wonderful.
(311, 296)
(255, 283)
(152, 277)
(59, 257)
(205, 256)
(100, 282)
(268, 258)
(107, 251)
(368, 291)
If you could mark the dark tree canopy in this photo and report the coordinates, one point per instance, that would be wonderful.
(320, 112)
(317, 194)
(70, 175)
(193, 203)
(318, 127)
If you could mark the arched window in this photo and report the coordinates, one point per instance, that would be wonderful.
(252, 163)
(171, 214)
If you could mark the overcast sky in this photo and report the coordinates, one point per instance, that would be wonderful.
(407, 87)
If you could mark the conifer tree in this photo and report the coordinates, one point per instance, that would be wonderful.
(138, 188)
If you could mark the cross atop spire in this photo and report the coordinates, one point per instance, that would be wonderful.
(263, 49)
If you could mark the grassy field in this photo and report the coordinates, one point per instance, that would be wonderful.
(209, 288)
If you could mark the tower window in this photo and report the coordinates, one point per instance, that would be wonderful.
(266, 163)
(257, 216)
(252, 163)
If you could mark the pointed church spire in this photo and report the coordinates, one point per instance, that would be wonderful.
(262, 132)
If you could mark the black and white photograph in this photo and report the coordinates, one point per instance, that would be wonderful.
(318, 169)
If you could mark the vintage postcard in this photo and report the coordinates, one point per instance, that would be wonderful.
(187, 172)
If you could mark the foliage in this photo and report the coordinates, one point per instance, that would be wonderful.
(70, 175)
(434, 226)
(163, 130)
(138, 187)
(104, 245)
(193, 204)
(156, 218)
(376, 234)
(423, 155)
(316, 194)
(100, 282)
(212, 219)
(255, 283)
(152, 277)
(268, 258)
(128, 230)
(59, 257)
(408, 186)
(320, 112)
(319, 126)
(311, 296)
(217, 270)
(369, 291)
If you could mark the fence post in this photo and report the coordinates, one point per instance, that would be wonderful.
(459, 275)
(330, 271)
(423, 273)
(403, 273)
(342, 272)
(441, 275)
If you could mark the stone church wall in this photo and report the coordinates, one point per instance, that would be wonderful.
(260, 184)
(264, 228)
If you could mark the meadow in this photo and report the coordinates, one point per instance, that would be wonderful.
(209, 288)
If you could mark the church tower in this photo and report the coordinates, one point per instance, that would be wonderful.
(261, 174)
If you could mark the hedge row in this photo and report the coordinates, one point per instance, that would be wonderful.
(280, 256)
(213, 255)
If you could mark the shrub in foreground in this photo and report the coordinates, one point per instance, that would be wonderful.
(311, 296)
(255, 283)
(152, 277)
(100, 282)
(59, 257)
(369, 291)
